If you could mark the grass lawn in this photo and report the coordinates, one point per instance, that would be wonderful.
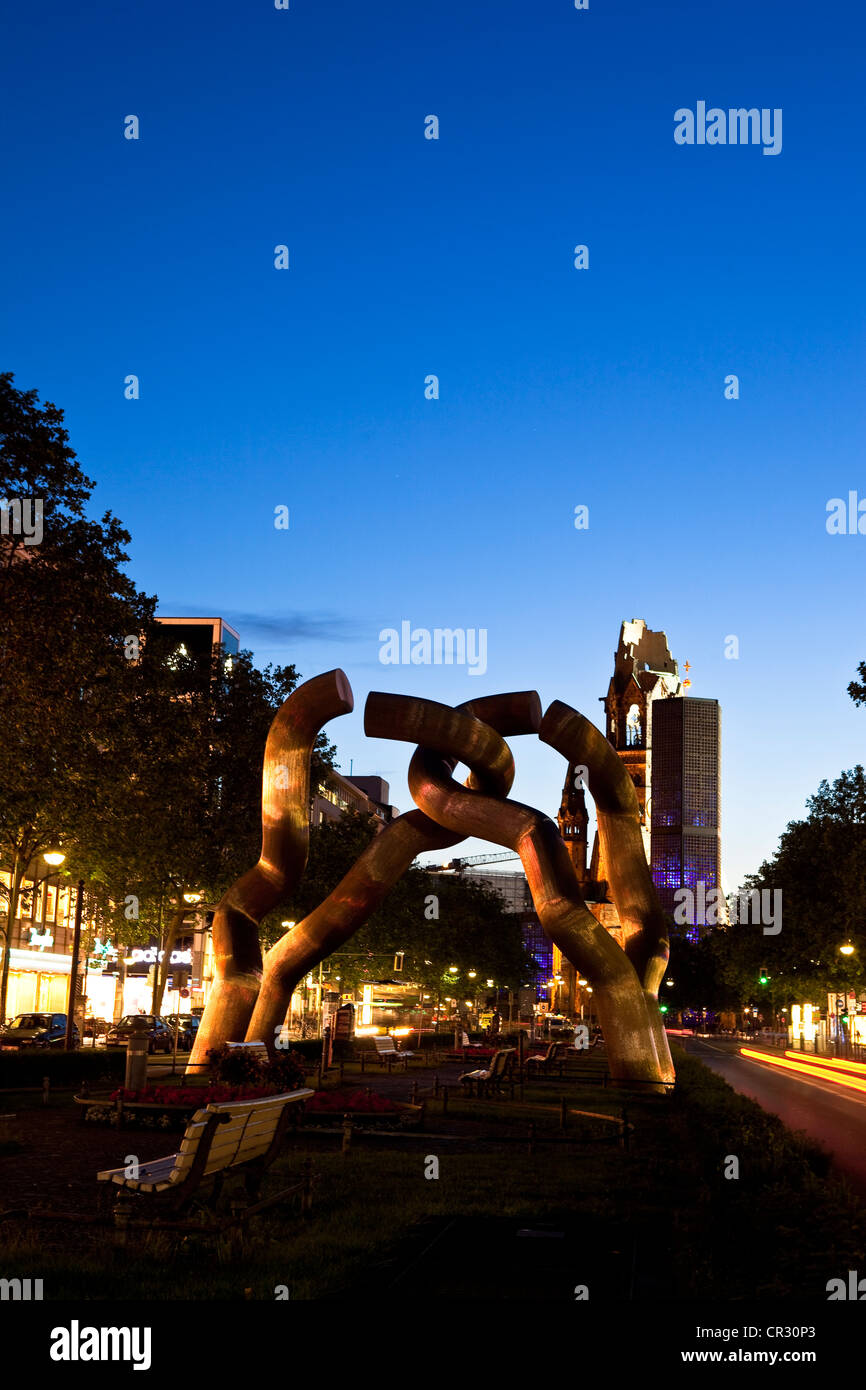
(781, 1229)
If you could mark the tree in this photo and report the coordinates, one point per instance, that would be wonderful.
(66, 606)
(144, 764)
(820, 869)
(186, 770)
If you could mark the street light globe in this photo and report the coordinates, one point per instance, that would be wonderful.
(472, 974)
(453, 969)
(287, 923)
(847, 949)
(192, 897)
(54, 857)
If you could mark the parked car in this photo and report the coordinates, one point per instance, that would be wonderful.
(160, 1037)
(36, 1030)
(96, 1028)
(188, 1026)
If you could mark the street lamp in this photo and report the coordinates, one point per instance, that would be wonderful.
(847, 949)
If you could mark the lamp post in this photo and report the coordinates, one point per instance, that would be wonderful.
(73, 969)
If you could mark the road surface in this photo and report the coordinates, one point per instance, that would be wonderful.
(833, 1116)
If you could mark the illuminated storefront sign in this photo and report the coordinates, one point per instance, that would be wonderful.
(141, 955)
(40, 938)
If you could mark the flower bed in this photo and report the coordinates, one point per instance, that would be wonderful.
(363, 1107)
(195, 1096)
(163, 1107)
(359, 1102)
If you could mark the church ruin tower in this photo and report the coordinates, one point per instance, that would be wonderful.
(573, 823)
(644, 671)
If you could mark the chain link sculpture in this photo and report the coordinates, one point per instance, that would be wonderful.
(251, 996)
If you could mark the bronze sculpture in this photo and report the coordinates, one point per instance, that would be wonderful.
(637, 1049)
(251, 996)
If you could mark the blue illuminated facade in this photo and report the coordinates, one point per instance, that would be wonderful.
(685, 823)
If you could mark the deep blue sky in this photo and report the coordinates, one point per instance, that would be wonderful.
(558, 387)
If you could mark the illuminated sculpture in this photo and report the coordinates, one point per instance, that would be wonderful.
(251, 995)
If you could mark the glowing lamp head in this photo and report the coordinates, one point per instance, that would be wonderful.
(54, 857)
(846, 950)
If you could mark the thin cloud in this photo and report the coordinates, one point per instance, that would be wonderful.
(290, 628)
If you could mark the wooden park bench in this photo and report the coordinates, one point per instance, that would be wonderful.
(388, 1052)
(545, 1062)
(493, 1079)
(223, 1139)
(255, 1049)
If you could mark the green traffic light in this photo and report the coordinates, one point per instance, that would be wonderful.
(663, 1008)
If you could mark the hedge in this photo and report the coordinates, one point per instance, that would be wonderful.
(27, 1068)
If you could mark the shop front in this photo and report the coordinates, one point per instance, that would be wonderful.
(38, 982)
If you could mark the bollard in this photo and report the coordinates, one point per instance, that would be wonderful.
(46, 1089)
(121, 1222)
(363, 1059)
(563, 1114)
(135, 1078)
(444, 1100)
(625, 1128)
(415, 1092)
(347, 1134)
(307, 1191)
(341, 1071)
(436, 1086)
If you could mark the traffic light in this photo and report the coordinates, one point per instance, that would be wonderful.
(663, 1008)
(763, 978)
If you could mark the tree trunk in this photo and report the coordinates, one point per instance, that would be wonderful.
(163, 967)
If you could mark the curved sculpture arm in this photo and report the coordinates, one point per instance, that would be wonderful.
(377, 869)
(644, 927)
(285, 844)
(638, 908)
(621, 1002)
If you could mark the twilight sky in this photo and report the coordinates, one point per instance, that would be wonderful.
(408, 256)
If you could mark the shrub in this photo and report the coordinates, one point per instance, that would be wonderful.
(234, 1066)
(93, 1065)
(286, 1071)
